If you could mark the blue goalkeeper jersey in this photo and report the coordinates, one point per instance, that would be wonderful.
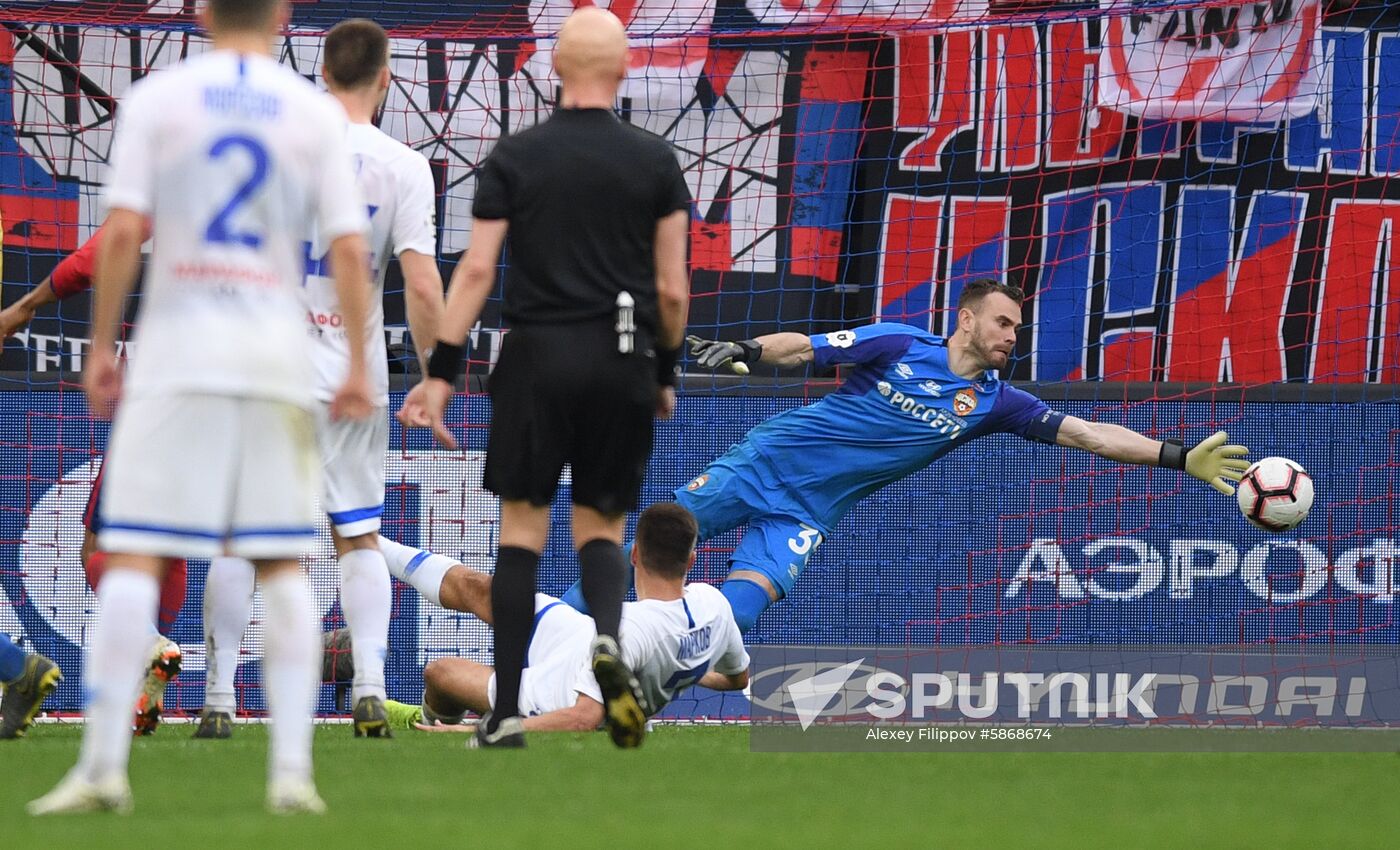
(898, 410)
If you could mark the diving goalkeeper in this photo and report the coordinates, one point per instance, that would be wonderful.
(911, 398)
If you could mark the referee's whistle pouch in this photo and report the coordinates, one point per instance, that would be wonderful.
(626, 323)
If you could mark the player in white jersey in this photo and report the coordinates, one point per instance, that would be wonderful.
(397, 185)
(674, 636)
(233, 158)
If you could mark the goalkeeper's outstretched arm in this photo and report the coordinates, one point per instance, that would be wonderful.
(1211, 460)
(780, 349)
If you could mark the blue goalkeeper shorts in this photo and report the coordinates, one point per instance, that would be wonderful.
(730, 493)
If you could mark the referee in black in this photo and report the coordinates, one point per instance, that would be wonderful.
(596, 294)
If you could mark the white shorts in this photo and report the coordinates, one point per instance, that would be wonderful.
(352, 463)
(557, 667)
(203, 475)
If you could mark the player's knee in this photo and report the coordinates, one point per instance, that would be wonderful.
(455, 591)
(774, 590)
(466, 590)
(450, 687)
(748, 598)
(435, 677)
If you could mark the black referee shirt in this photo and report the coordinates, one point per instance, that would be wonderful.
(583, 192)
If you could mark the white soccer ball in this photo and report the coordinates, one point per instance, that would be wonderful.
(1275, 494)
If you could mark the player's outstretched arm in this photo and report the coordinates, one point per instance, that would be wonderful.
(780, 349)
(1210, 460)
(585, 715)
(72, 275)
(724, 681)
(18, 315)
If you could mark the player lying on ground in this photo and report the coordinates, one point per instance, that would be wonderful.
(70, 277)
(27, 679)
(911, 398)
(675, 635)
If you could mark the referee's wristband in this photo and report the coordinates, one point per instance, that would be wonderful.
(445, 363)
(1173, 455)
(666, 369)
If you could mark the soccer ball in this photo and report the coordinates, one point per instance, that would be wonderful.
(1275, 494)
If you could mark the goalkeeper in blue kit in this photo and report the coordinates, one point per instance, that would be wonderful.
(911, 398)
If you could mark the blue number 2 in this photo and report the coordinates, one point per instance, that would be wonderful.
(219, 230)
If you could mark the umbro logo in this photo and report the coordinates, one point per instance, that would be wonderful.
(904, 370)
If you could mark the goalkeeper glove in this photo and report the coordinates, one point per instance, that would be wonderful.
(1210, 460)
(712, 354)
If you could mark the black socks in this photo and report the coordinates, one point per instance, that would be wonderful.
(513, 614)
(603, 578)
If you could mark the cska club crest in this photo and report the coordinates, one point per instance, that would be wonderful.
(964, 402)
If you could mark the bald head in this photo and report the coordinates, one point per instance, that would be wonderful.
(592, 49)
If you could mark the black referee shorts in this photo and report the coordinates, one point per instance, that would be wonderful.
(564, 394)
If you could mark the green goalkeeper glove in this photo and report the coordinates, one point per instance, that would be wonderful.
(1214, 462)
(712, 354)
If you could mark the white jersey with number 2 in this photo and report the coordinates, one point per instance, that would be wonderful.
(236, 158)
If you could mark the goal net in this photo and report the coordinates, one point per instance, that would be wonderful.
(1195, 196)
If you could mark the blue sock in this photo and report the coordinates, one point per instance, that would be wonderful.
(747, 599)
(11, 660)
(573, 597)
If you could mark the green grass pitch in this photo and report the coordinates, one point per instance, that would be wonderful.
(701, 787)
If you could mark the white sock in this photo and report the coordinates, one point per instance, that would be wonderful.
(366, 597)
(118, 651)
(228, 605)
(291, 674)
(421, 570)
